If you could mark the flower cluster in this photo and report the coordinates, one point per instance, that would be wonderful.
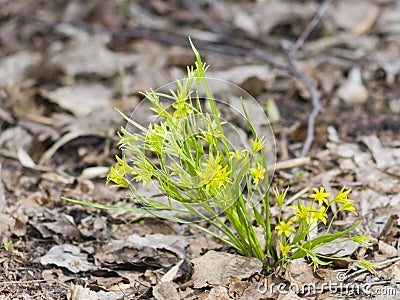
(187, 156)
(294, 232)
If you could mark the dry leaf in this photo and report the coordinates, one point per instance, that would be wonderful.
(12, 68)
(166, 291)
(87, 53)
(81, 99)
(67, 256)
(353, 91)
(338, 249)
(216, 268)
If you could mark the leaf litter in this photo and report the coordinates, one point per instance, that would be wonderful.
(57, 138)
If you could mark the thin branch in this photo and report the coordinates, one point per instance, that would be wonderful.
(310, 27)
(295, 71)
(195, 8)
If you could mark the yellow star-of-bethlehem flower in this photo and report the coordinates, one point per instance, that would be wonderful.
(304, 213)
(238, 154)
(214, 175)
(342, 196)
(284, 228)
(284, 248)
(320, 196)
(349, 206)
(321, 214)
(258, 144)
(257, 174)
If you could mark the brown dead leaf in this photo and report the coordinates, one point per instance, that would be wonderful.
(300, 272)
(87, 53)
(166, 291)
(80, 99)
(216, 268)
(219, 292)
(13, 138)
(79, 292)
(349, 15)
(237, 287)
(387, 250)
(200, 244)
(67, 256)
(241, 75)
(338, 249)
(390, 231)
(152, 249)
(269, 14)
(382, 156)
(352, 91)
(12, 68)
(288, 296)
(256, 291)
(6, 225)
(64, 225)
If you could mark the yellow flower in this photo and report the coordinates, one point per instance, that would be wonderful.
(284, 228)
(238, 154)
(257, 174)
(349, 206)
(143, 170)
(117, 174)
(342, 196)
(182, 109)
(320, 196)
(284, 248)
(303, 212)
(346, 203)
(280, 197)
(258, 144)
(214, 174)
(321, 214)
(155, 137)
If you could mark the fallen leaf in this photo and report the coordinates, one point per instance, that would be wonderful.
(299, 272)
(338, 249)
(87, 53)
(352, 91)
(12, 67)
(174, 243)
(237, 287)
(169, 276)
(81, 99)
(94, 172)
(237, 75)
(79, 292)
(382, 156)
(67, 256)
(269, 14)
(390, 231)
(387, 250)
(166, 291)
(219, 292)
(217, 268)
(350, 15)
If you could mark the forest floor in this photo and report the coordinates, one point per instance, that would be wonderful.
(64, 66)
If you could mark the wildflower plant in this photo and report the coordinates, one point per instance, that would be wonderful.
(185, 153)
(294, 232)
